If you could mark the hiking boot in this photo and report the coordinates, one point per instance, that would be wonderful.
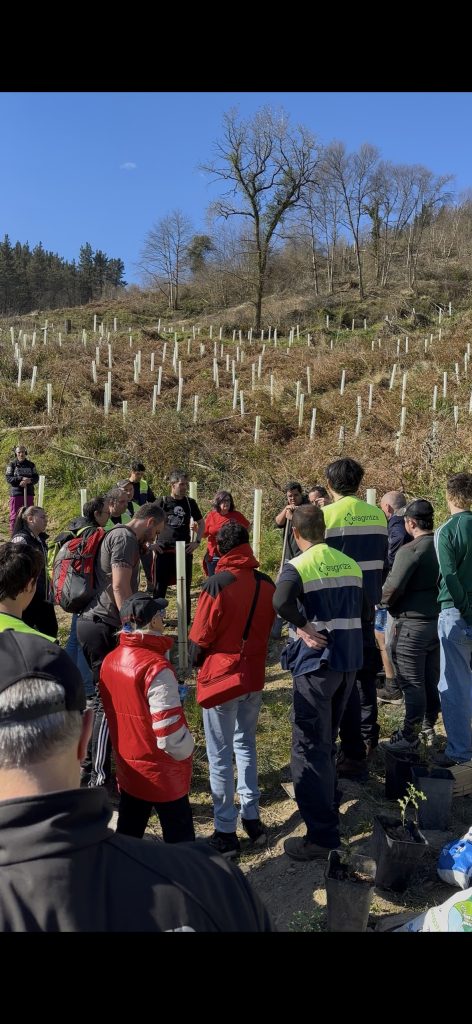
(300, 848)
(398, 743)
(390, 693)
(255, 830)
(225, 843)
(348, 768)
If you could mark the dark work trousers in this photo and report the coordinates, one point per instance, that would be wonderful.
(40, 614)
(166, 576)
(319, 699)
(147, 562)
(359, 721)
(415, 651)
(175, 818)
(97, 639)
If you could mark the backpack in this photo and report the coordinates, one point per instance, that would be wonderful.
(73, 576)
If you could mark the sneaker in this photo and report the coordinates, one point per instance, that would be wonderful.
(255, 830)
(398, 743)
(390, 694)
(300, 848)
(348, 768)
(225, 843)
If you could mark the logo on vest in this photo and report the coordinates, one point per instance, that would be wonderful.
(339, 567)
(352, 520)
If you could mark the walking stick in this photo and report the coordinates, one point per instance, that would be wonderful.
(284, 548)
(278, 621)
(25, 496)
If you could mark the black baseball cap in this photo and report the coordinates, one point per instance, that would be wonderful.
(141, 608)
(420, 508)
(26, 655)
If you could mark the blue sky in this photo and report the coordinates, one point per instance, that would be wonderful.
(104, 167)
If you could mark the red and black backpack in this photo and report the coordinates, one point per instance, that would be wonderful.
(73, 571)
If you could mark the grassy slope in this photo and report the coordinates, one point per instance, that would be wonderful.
(219, 451)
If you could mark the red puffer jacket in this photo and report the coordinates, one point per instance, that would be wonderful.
(223, 610)
(142, 706)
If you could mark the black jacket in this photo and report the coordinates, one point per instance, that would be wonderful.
(40, 544)
(16, 471)
(292, 549)
(411, 588)
(63, 870)
(397, 536)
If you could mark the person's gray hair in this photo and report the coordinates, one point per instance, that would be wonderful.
(27, 743)
(113, 495)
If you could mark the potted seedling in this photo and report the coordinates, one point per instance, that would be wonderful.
(399, 844)
(350, 880)
(437, 784)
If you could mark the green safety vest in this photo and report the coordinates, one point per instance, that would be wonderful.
(18, 626)
(143, 486)
(332, 600)
(125, 519)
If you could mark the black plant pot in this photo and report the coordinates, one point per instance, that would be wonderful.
(396, 859)
(398, 773)
(437, 785)
(349, 889)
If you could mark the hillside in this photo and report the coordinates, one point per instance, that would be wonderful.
(79, 446)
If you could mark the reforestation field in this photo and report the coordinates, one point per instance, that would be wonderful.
(373, 388)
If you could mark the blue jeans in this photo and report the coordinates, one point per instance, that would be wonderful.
(232, 727)
(211, 564)
(455, 683)
(75, 652)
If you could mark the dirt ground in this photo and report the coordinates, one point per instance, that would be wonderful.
(294, 892)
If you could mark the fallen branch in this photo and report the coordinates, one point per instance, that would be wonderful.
(90, 458)
(44, 426)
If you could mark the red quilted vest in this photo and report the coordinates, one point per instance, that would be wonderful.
(142, 770)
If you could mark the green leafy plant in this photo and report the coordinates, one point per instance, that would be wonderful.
(412, 796)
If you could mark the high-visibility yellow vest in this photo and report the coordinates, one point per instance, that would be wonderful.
(18, 626)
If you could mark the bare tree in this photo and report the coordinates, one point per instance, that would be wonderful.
(354, 176)
(428, 193)
(164, 256)
(268, 167)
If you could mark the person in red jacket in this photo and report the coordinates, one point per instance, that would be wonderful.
(222, 511)
(230, 728)
(148, 729)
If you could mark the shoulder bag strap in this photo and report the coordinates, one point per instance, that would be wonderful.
(253, 608)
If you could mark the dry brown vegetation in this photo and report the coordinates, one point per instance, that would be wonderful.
(219, 451)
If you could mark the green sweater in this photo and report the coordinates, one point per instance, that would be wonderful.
(453, 543)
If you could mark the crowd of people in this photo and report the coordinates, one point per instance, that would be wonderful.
(362, 588)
